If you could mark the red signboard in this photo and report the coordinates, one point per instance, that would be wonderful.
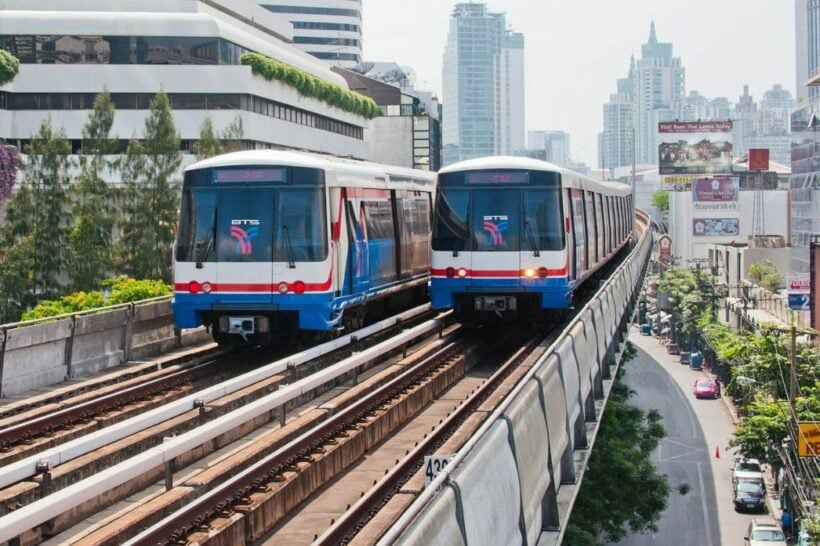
(758, 159)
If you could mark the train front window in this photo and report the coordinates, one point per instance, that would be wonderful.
(245, 225)
(543, 217)
(451, 229)
(301, 232)
(197, 228)
(496, 216)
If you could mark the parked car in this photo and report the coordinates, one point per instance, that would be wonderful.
(748, 469)
(684, 357)
(764, 532)
(705, 388)
(749, 495)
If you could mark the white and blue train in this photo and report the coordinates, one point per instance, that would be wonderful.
(514, 236)
(275, 242)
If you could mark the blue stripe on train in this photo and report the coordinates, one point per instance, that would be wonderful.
(556, 293)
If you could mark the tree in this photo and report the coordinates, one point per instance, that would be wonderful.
(90, 251)
(660, 199)
(767, 275)
(622, 488)
(9, 66)
(232, 136)
(766, 424)
(151, 195)
(208, 144)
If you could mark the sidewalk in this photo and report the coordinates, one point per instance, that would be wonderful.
(720, 454)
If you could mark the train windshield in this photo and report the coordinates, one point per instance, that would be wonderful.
(243, 223)
(474, 215)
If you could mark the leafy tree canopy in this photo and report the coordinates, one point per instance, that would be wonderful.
(660, 199)
(9, 67)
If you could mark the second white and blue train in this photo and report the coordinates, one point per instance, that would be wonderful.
(515, 236)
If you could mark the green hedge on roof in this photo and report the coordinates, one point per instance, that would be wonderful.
(311, 86)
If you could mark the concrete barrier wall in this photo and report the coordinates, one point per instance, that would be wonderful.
(516, 480)
(39, 353)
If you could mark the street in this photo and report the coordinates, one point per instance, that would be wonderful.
(695, 430)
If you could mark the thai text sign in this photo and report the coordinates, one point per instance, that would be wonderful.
(715, 227)
(678, 182)
(808, 441)
(695, 147)
(718, 193)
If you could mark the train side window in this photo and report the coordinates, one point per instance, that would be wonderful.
(378, 220)
(592, 227)
(601, 227)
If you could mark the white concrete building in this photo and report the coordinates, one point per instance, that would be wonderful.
(330, 30)
(690, 241)
(188, 48)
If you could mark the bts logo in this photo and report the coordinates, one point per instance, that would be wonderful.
(495, 226)
(243, 236)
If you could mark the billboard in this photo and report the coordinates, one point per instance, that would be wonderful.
(715, 227)
(799, 291)
(677, 182)
(808, 441)
(692, 147)
(719, 193)
(665, 250)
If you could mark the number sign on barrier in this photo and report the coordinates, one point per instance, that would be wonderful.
(433, 464)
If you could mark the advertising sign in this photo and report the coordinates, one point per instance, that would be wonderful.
(693, 147)
(798, 283)
(758, 159)
(799, 288)
(665, 250)
(677, 182)
(719, 193)
(808, 441)
(715, 227)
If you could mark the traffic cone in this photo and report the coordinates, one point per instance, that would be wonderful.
(717, 452)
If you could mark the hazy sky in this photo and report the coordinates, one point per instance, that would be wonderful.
(576, 49)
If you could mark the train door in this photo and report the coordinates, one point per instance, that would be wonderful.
(358, 260)
(579, 233)
(244, 246)
(496, 226)
(570, 244)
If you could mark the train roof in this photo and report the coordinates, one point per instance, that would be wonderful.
(528, 163)
(314, 161)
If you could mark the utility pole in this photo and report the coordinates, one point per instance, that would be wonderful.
(793, 375)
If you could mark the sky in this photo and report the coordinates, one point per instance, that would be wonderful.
(575, 50)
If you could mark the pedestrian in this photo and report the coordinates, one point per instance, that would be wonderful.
(786, 522)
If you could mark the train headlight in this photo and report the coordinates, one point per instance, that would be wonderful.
(206, 287)
(450, 272)
(283, 288)
(299, 287)
(462, 272)
(542, 272)
(529, 272)
(194, 287)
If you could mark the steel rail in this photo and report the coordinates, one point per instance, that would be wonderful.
(40, 511)
(354, 519)
(32, 465)
(73, 413)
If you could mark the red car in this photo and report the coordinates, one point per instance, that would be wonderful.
(706, 388)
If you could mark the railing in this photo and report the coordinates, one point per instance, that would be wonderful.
(517, 478)
(41, 352)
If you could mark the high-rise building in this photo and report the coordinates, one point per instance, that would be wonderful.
(615, 142)
(763, 125)
(807, 47)
(330, 30)
(659, 87)
(509, 93)
(483, 81)
(552, 146)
